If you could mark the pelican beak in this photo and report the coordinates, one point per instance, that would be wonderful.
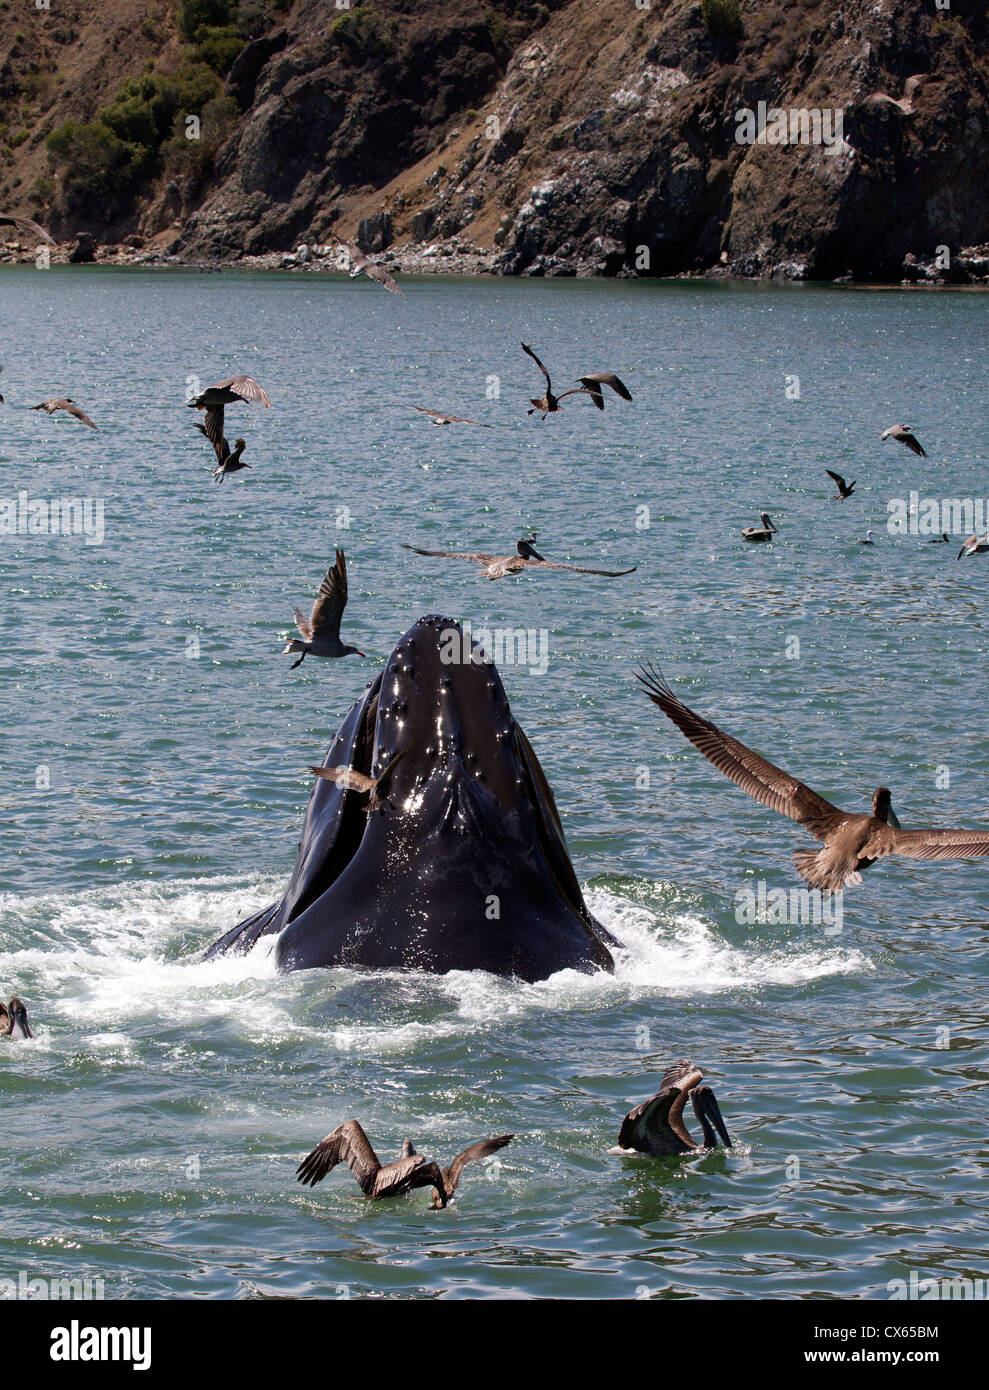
(21, 1028)
(705, 1103)
(892, 820)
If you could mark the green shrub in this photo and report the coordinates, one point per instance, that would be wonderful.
(194, 15)
(361, 33)
(723, 18)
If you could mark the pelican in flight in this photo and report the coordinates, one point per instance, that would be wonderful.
(844, 489)
(9, 219)
(67, 404)
(765, 532)
(590, 386)
(321, 630)
(349, 1144)
(656, 1126)
(497, 566)
(905, 435)
(359, 264)
(212, 402)
(851, 841)
(974, 545)
(13, 1021)
(353, 781)
(438, 418)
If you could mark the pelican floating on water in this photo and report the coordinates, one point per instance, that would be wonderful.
(13, 1021)
(497, 566)
(656, 1126)
(851, 842)
(321, 630)
(765, 532)
(349, 1144)
(868, 538)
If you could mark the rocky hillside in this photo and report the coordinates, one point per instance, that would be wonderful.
(567, 137)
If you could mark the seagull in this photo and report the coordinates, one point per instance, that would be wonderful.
(851, 841)
(656, 1126)
(9, 219)
(353, 781)
(844, 489)
(905, 435)
(760, 533)
(213, 400)
(497, 566)
(974, 546)
(13, 1021)
(321, 629)
(359, 264)
(349, 1144)
(438, 418)
(64, 403)
(868, 539)
(592, 385)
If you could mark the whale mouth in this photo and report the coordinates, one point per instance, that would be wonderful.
(462, 862)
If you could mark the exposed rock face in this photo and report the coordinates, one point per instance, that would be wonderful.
(606, 137)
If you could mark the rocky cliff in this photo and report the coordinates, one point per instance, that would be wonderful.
(569, 137)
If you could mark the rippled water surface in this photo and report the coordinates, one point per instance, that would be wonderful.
(152, 1127)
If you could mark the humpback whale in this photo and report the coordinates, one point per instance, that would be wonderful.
(463, 866)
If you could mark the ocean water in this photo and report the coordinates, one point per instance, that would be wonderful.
(153, 746)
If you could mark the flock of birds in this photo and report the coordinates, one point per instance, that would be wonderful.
(851, 842)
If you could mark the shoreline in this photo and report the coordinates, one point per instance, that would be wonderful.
(456, 258)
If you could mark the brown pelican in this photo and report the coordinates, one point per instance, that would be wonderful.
(13, 1020)
(497, 566)
(438, 418)
(65, 403)
(656, 1126)
(851, 842)
(905, 435)
(844, 489)
(9, 219)
(321, 630)
(212, 401)
(349, 1144)
(974, 545)
(592, 385)
(359, 264)
(353, 781)
(765, 532)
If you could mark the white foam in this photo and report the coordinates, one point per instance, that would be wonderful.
(113, 962)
